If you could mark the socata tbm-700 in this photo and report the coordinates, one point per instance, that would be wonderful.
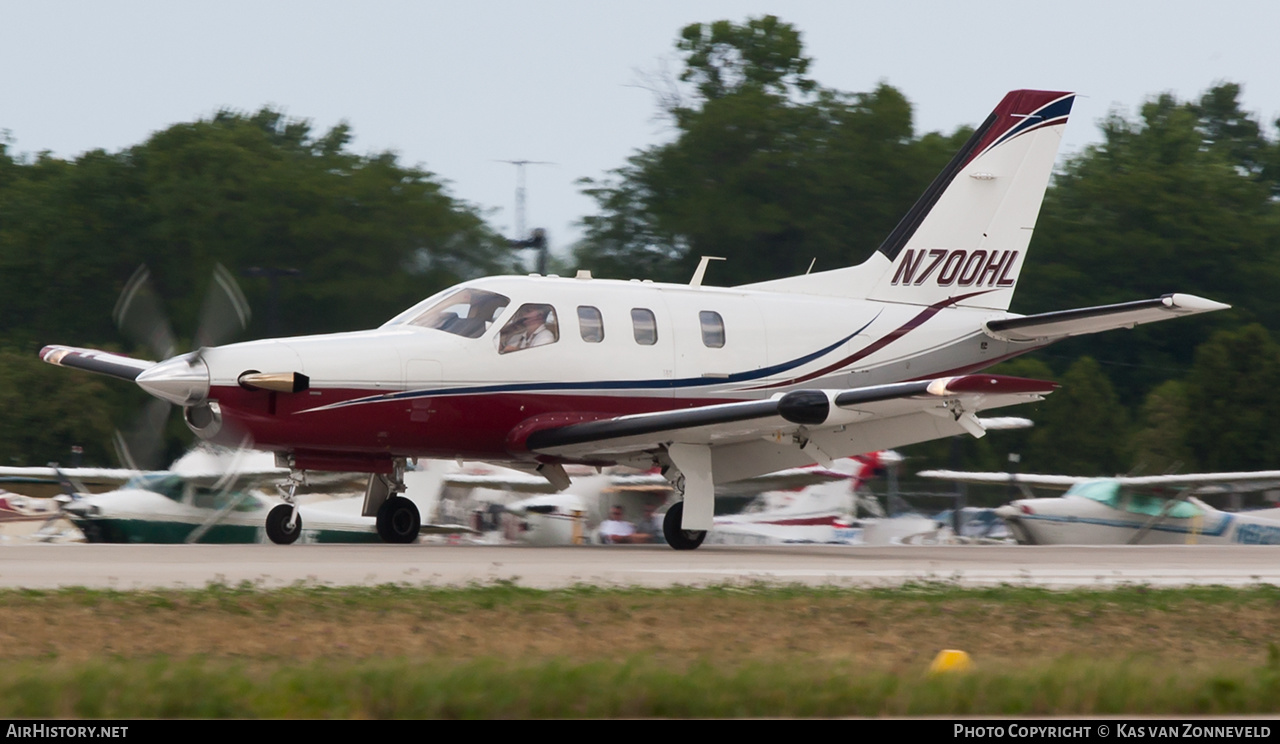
(711, 384)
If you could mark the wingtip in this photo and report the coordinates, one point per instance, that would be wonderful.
(1193, 303)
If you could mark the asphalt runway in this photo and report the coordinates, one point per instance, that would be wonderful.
(194, 566)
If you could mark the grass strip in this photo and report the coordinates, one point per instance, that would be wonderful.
(636, 687)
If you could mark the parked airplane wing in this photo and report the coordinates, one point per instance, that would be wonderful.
(795, 424)
(1061, 482)
(1101, 318)
(1066, 481)
(89, 475)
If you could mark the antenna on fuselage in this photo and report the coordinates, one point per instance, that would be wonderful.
(701, 271)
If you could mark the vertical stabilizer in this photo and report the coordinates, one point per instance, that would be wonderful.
(967, 235)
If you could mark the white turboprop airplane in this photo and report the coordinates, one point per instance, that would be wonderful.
(1147, 509)
(711, 384)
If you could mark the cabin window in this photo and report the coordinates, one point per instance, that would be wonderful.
(532, 325)
(467, 312)
(645, 326)
(590, 324)
(712, 329)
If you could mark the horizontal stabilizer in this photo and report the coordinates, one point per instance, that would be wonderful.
(102, 362)
(1064, 323)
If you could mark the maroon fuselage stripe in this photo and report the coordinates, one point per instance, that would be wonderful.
(465, 426)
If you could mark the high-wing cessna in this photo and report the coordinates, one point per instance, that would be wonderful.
(210, 497)
(1134, 510)
(711, 384)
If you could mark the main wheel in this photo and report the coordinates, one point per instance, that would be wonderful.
(398, 520)
(278, 525)
(678, 538)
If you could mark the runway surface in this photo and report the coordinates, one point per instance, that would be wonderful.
(194, 566)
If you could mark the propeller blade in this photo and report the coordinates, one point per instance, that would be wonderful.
(226, 497)
(225, 311)
(141, 447)
(139, 316)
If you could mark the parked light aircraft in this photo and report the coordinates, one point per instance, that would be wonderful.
(574, 516)
(205, 497)
(712, 385)
(1153, 509)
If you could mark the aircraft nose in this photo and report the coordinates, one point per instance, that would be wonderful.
(183, 380)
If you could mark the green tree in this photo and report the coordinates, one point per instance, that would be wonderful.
(767, 168)
(1175, 201)
(1160, 443)
(44, 413)
(1082, 428)
(1231, 402)
(369, 235)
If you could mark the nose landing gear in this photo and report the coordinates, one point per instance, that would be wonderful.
(284, 524)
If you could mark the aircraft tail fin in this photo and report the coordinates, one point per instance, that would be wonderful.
(966, 238)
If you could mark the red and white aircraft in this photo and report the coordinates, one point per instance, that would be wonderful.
(712, 384)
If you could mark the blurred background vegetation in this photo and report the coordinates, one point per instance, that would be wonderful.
(764, 166)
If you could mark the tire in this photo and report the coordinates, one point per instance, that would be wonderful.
(677, 538)
(278, 525)
(398, 520)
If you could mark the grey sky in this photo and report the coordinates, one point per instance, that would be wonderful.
(457, 86)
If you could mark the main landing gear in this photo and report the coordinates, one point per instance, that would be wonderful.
(688, 468)
(398, 518)
(677, 538)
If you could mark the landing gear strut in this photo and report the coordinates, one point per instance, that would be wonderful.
(284, 524)
(676, 537)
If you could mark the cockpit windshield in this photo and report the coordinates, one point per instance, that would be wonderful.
(169, 486)
(467, 313)
(1109, 492)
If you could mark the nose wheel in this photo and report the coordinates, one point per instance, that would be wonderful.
(284, 523)
(398, 520)
(677, 538)
(283, 526)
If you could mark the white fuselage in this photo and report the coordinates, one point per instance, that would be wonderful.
(411, 391)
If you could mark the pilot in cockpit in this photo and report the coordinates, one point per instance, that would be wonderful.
(532, 326)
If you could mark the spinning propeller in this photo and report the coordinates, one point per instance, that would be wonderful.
(139, 315)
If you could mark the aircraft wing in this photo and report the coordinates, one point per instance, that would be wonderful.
(1066, 481)
(94, 476)
(1061, 482)
(92, 360)
(1064, 323)
(797, 428)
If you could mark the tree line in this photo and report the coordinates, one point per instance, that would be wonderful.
(765, 167)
